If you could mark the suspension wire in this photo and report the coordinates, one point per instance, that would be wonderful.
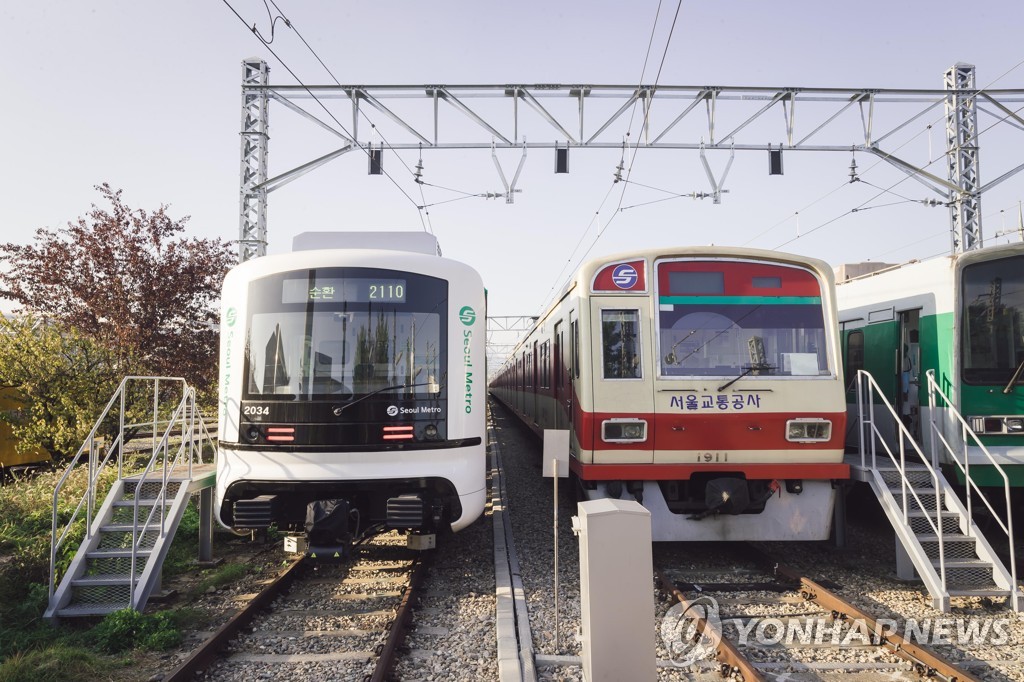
(601, 231)
(382, 137)
(901, 181)
(305, 87)
(882, 160)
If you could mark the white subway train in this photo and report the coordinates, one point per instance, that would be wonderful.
(352, 386)
(704, 382)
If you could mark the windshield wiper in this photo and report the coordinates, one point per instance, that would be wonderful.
(341, 408)
(746, 370)
(1014, 378)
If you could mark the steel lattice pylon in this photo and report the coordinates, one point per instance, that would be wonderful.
(503, 334)
(962, 158)
(829, 122)
(252, 234)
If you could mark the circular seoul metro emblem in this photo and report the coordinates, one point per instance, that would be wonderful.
(621, 278)
(625, 276)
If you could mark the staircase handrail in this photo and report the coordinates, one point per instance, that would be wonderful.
(968, 433)
(189, 438)
(867, 388)
(88, 499)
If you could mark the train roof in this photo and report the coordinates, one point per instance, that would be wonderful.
(858, 272)
(587, 270)
(584, 275)
(415, 241)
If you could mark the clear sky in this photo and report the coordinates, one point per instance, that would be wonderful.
(145, 96)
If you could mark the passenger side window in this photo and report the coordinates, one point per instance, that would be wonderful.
(620, 344)
(854, 355)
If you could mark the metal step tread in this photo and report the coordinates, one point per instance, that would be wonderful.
(91, 609)
(102, 580)
(126, 528)
(115, 552)
(977, 591)
(948, 537)
(897, 488)
(963, 563)
(946, 514)
(143, 502)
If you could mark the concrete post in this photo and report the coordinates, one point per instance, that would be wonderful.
(616, 590)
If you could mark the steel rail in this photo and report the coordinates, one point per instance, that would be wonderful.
(926, 663)
(403, 617)
(734, 665)
(211, 648)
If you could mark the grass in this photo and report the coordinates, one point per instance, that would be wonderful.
(33, 649)
(56, 663)
(223, 575)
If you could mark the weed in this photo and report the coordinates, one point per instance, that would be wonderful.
(129, 629)
(224, 575)
(58, 663)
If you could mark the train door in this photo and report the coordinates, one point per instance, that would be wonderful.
(909, 394)
(622, 380)
(534, 401)
(558, 383)
(573, 385)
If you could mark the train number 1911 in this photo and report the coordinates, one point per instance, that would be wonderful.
(712, 456)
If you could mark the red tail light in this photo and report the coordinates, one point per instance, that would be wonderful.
(398, 433)
(281, 433)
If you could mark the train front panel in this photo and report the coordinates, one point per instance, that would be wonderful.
(355, 376)
(712, 393)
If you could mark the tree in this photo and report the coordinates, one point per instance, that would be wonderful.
(125, 279)
(61, 378)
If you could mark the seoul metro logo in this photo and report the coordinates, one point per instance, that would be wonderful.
(625, 276)
(467, 315)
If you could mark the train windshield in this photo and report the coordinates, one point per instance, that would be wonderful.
(992, 309)
(727, 318)
(343, 333)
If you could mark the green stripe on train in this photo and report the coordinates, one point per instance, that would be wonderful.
(741, 300)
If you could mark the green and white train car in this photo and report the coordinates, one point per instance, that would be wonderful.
(961, 316)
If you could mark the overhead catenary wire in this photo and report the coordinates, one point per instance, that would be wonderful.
(305, 87)
(924, 131)
(572, 257)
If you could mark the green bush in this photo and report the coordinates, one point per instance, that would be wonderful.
(129, 629)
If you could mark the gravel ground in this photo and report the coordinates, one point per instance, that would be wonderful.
(454, 634)
(864, 571)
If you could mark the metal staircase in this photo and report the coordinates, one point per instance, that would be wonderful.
(935, 531)
(145, 492)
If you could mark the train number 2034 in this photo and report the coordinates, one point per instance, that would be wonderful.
(256, 410)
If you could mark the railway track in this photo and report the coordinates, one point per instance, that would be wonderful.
(319, 620)
(774, 620)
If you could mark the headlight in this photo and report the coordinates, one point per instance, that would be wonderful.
(624, 430)
(994, 424)
(808, 430)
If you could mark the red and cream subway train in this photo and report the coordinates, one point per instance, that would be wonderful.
(704, 382)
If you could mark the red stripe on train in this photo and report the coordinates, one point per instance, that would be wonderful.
(739, 278)
(709, 431)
